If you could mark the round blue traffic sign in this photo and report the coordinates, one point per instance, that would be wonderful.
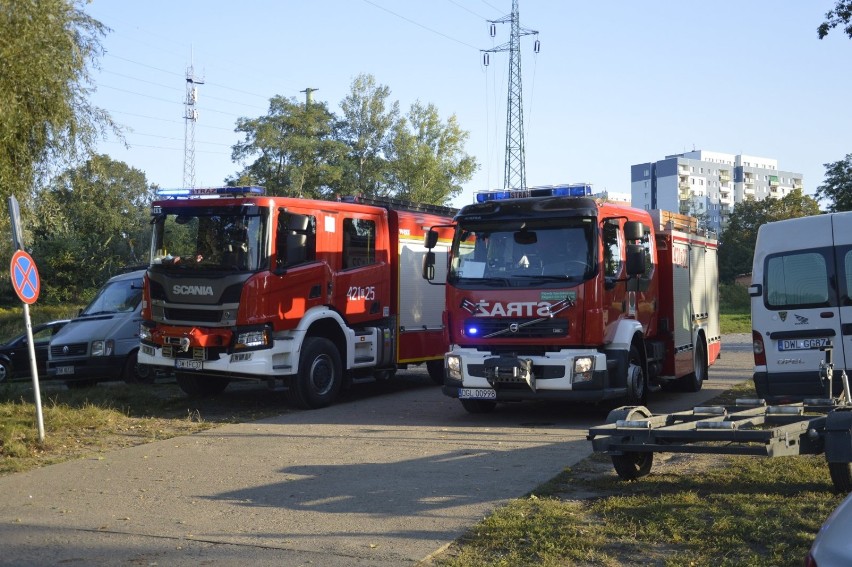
(25, 278)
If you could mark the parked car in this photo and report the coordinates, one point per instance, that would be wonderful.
(832, 546)
(15, 354)
(101, 344)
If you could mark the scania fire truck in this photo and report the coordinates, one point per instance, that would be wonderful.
(555, 295)
(313, 294)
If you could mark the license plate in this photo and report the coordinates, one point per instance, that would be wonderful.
(64, 370)
(802, 344)
(477, 394)
(187, 364)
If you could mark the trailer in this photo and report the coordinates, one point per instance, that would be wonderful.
(632, 434)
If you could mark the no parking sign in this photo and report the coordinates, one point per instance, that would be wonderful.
(25, 278)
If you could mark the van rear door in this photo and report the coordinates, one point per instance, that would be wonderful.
(797, 312)
(842, 231)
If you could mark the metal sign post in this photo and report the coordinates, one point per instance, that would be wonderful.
(27, 285)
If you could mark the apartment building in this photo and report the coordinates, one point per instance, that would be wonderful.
(707, 184)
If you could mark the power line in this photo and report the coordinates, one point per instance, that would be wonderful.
(418, 24)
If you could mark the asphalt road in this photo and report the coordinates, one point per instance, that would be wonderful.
(377, 480)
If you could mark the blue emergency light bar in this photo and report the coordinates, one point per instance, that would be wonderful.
(251, 190)
(569, 190)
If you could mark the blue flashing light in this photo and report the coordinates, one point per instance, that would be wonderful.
(566, 190)
(472, 331)
(251, 190)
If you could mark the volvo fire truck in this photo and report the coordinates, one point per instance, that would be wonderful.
(555, 295)
(314, 295)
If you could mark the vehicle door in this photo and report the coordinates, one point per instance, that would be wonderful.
(363, 283)
(842, 232)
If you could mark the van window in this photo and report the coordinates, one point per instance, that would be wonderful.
(847, 279)
(797, 279)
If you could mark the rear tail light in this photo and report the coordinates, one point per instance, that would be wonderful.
(758, 348)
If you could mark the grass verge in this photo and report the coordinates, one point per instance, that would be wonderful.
(692, 510)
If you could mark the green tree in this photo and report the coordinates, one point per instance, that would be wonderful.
(91, 222)
(428, 162)
(47, 48)
(841, 15)
(294, 150)
(837, 185)
(366, 128)
(736, 248)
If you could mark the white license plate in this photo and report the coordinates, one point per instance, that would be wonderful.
(187, 364)
(64, 370)
(477, 394)
(802, 344)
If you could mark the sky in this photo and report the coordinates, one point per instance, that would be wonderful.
(613, 84)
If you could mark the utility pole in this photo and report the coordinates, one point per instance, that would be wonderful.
(515, 176)
(308, 96)
(191, 117)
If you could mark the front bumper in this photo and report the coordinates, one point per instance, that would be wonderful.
(278, 361)
(100, 368)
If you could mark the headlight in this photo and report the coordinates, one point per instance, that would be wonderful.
(102, 348)
(584, 368)
(252, 339)
(144, 333)
(454, 367)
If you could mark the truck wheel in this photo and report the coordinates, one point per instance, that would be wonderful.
(135, 373)
(436, 371)
(632, 465)
(199, 386)
(841, 476)
(320, 375)
(692, 382)
(637, 391)
(478, 406)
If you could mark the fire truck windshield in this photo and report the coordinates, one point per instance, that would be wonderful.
(522, 253)
(208, 240)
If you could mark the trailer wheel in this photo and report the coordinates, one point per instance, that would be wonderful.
(478, 406)
(320, 375)
(632, 465)
(637, 391)
(199, 386)
(436, 371)
(841, 476)
(693, 381)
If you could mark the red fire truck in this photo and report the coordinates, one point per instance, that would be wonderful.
(315, 294)
(554, 295)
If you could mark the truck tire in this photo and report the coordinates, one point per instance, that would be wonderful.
(637, 386)
(436, 371)
(200, 386)
(320, 375)
(478, 406)
(841, 476)
(135, 373)
(693, 381)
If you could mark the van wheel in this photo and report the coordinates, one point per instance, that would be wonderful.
(692, 382)
(637, 391)
(135, 373)
(841, 476)
(320, 375)
(200, 386)
(436, 371)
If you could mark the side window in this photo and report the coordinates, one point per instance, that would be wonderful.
(359, 243)
(796, 279)
(847, 279)
(648, 245)
(613, 244)
(297, 239)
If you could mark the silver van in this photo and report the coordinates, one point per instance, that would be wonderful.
(801, 303)
(102, 342)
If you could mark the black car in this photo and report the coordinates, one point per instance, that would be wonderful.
(15, 355)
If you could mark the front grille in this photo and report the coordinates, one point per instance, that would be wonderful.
(75, 349)
(543, 329)
(195, 315)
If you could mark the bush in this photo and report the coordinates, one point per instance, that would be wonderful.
(733, 298)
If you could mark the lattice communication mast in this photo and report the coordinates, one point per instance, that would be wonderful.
(515, 167)
(190, 118)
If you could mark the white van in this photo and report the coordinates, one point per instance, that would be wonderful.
(102, 342)
(800, 303)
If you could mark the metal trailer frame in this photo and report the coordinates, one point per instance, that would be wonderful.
(633, 434)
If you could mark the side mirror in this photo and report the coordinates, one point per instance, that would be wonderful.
(429, 266)
(633, 230)
(635, 259)
(430, 240)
